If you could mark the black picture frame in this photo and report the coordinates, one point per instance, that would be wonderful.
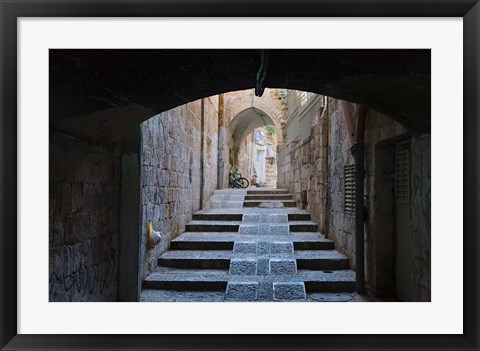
(11, 10)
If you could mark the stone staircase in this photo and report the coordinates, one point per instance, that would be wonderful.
(267, 250)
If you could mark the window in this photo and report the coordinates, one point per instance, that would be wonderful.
(349, 194)
(402, 172)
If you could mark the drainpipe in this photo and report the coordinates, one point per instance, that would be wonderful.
(221, 136)
(358, 151)
(348, 120)
(202, 156)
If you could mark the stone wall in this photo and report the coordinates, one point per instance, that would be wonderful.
(421, 217)
(171, 172)
(238, 102)
(314, 171)
(210, 148)
(83, 218)
(245, 156)
(302, 169)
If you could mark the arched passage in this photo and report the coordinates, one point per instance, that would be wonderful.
(247, 121)
(247, 155)
(100, 95)
(103, 94)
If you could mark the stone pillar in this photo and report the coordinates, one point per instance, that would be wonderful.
(221, 138)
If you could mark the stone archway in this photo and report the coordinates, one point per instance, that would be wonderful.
(101, 95)
(98, 96)
(245, 112)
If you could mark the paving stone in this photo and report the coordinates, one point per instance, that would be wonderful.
(265, 291)
(263, 266)
(215, 204)
(243, 266)
(235, 204)
(263, 247)
(264, 217)
(289, 291)
(280, 247)
(331, 297)
(283, 266)
(237, 198)
(244, 247)
(279, 229)
(251, 218)
(278, 218)
(263, 229)
(248, 229)
(242, 291)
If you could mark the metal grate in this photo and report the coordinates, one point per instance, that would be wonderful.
(349, 195)
(402, 176)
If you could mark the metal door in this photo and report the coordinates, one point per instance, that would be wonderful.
(403, 226)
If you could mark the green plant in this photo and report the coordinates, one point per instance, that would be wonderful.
(271, 129)
(235, 172)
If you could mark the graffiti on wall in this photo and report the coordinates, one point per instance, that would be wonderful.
(421, 186)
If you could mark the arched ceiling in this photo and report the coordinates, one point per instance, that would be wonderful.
(246, 122)
(102, 94)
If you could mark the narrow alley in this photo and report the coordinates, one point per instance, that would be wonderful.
(333, 147)
(262, 252)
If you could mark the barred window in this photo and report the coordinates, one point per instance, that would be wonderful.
(349, 193)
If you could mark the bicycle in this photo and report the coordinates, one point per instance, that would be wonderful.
(238, 182)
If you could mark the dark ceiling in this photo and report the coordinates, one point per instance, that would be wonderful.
(102, 94)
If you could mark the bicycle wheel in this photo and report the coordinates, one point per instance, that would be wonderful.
(244, 182)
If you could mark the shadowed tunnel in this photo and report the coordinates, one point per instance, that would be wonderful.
(102, 94)
(110, 174)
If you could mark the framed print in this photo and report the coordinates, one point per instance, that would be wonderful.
(239, 175)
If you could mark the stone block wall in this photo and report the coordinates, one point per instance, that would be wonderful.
(245, 156)
(421, 217)
(302, 170)
(314, 173)
(84, 207)
(210, 148)
(171, 169)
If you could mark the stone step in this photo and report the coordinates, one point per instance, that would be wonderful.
(212, 226)
(225, 241)
(186, 280)
(306, 226)
(217, 217)
(267, 191)
(234, 226)
(221, 259)
(264, 197)
(299, 216)
(269, 203)
(217, 280)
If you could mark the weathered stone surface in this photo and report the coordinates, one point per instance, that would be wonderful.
(331, 297)
(242, 291)
(248, 229)
(278, 218)
(243, 266)
(84, 214)
(265, 291)
(278, 229)
(263, 247)
(263, 229)
(283, 266)
(280, 247)
(244, 247)
(252, 218)
(289, 291)
(263, 266)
